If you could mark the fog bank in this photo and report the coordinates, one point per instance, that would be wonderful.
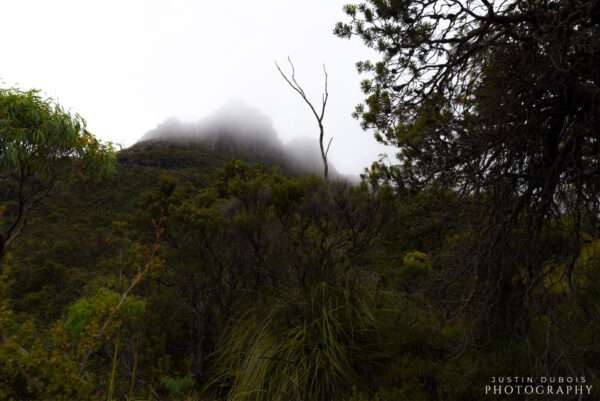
(239, 129)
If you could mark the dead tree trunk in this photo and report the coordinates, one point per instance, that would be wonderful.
(319, 115)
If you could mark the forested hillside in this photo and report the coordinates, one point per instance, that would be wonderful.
(208, 267)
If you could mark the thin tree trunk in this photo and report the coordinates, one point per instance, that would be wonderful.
(133, 371)
(111, 386)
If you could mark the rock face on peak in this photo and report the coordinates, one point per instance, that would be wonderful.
(234, 131)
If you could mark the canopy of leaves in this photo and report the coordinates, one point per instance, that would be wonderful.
(37, 136)
(498, 101)
(41, 146)
(479, 93)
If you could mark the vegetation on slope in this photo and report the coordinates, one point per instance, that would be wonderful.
(189, 274)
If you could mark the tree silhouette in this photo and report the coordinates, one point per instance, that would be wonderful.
(319, 115)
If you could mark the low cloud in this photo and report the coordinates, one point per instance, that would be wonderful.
(237, 129)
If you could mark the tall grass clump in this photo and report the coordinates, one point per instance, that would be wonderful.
(302, 345)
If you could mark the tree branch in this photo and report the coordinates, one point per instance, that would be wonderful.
(293, 83)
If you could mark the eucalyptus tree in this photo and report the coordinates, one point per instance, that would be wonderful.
(42, 146)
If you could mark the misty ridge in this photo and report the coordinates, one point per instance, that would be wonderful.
(237, 130)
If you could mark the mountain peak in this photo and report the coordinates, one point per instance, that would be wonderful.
(236, 131)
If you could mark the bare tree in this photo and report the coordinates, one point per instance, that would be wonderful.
(319, 115)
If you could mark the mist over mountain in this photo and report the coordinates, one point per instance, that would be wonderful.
(237, 130)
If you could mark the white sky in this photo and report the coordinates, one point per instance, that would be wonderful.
(127, 65)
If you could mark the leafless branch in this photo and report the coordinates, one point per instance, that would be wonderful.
(319, 116)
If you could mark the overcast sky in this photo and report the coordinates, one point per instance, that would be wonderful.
(126, 66)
